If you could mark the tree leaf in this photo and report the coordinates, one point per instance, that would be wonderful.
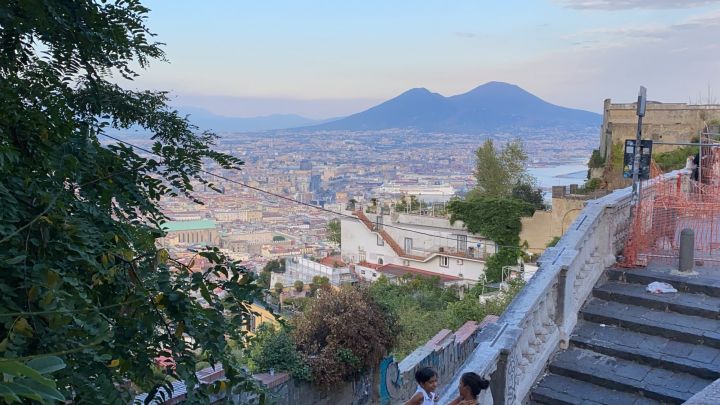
(47, 364)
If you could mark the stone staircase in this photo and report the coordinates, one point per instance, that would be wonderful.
(633, 347)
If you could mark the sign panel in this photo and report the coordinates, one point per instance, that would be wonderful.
(645, 158)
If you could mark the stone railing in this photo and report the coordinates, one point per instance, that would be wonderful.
(514, 352)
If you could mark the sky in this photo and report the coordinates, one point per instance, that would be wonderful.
(323, 59)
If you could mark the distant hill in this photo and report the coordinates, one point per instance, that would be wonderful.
(491, 106)
(206, 120)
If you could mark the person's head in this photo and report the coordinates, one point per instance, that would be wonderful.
(471, 384)
(426, 377)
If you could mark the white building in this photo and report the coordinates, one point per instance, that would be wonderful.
(300, 268)
(424, 243)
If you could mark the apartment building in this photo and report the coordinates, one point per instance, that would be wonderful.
(422, 244)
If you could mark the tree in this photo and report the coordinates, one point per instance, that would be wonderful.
(275, 266)
(275, 349)
(497, 219)
(264, 279)
(343, 333)
(80, 274)
(299, 285)
(530, 194)
(498, 171)
(334, 231)
(279, 287)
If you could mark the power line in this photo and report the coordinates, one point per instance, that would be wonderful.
(319, 208)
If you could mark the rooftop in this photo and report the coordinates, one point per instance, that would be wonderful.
(398, 271)
(196, 225)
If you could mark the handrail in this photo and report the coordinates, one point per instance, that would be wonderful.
(514, 352)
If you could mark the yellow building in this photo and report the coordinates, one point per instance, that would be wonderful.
(260, 316)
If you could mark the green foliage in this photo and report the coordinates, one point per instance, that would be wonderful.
(299, 285)
(617, 156)
(470, 308)
(418, 304)
(278, 238)
(596, 160)
(497, 219)
(498, 171)
(530, 194)
(279, 287)
(423, 308)
(343, 333)
(297, 303)
(30, 380)
(275, 266)
(592, 185)
(80, 274)
(674, 159)
(264, 279)
(333, 231)
(274, 349)
(553, 242)
(408, 206)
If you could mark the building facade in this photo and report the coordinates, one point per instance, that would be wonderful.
(425, 243)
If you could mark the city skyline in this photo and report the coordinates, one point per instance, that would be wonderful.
(328, 60)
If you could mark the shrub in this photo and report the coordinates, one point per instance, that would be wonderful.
(274, 349)
(343, 333)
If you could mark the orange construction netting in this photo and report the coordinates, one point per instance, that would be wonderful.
(667, 206)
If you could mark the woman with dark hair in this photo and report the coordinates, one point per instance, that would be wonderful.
(427, 381)
(470, 387)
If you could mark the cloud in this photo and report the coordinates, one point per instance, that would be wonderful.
(676, 62)
(634, 4)
(643, 34)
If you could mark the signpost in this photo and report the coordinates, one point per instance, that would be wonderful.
(646, 146)
(641, 104)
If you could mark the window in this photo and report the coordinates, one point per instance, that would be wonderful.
(406, 262)
(252, 323)
(459, 262)
(361, 256)
(461, 243)
(444, 261)
(380, 260)
(380, 241)
(408, 245)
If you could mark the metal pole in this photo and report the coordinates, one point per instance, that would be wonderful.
(700, 164)
(642, 97)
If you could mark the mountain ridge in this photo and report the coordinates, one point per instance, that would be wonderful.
(490, 106)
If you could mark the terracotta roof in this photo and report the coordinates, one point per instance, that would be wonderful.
(398, 270)
(370, 265)
(331, 261)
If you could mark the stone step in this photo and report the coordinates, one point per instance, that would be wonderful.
(623, 375)
(555, 389)
(703, 283)
(680, 327)
(684, 303)
(655, 351)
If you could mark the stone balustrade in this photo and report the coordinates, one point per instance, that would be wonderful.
(514, 351)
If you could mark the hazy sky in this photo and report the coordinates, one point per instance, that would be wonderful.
(329, 58)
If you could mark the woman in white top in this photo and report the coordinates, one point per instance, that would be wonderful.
(427, 381)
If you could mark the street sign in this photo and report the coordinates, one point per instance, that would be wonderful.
(645, 158)
(642, 101)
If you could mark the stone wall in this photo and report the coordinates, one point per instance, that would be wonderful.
(543, 226)
(671, 122)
